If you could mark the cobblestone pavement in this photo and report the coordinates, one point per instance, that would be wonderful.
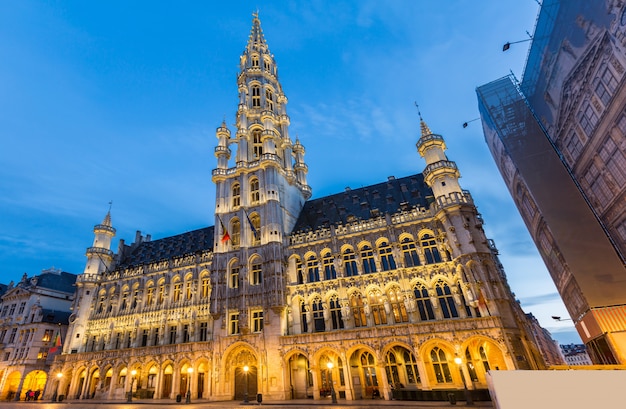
(291, 404)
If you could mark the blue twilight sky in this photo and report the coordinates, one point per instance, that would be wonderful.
(119, 100)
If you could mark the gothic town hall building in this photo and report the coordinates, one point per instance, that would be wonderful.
(365, 293)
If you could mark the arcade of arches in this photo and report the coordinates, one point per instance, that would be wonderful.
(355, 370)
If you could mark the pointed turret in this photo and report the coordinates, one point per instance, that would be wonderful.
(99, 260)
(441, 174)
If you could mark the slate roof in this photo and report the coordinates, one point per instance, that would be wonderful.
(60, 317)
(365, 203)
(56, 281)
(168, 247)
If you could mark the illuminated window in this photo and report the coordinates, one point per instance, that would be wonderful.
(396, 302)
(256, 272)
(358, 310)
(205, 287)
(178, 286)
(257, 321)
(255, 60)
(304, 317)
(47, 336)
(235, 236)
(377, 309)
(150, 295)
(255, 229)
(233, 325)
(440, 365)
(234, 277)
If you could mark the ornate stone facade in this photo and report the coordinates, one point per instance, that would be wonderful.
(364, 293)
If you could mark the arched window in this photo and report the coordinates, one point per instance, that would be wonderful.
(255, 61)
(483, 358)
(367, 256)
(304, 317)
(188, 287)
(161, 292)
(386, 256)
(124, 300)
(470, 365)
(205, 286)
(236, 195)
(429, 246)
(101, 300)
(446, 301)
(256, 275)
(134, 297)
(329, 266)
(409, 251)
(349, 263)
(256, 95)
(369, 369)
(377, 308)
(358, 310)
(254, 191)
(257, 144)
(266, 64)
(396, 302)
(255, 228)
(440, 365)
(335, 312)
(177, 290)
(392, 370)
(299, 272)
(269, 99)
(312, 269)
(410, 364)
(424, 304)
(233, 281)
(318, 315)
(235, 236)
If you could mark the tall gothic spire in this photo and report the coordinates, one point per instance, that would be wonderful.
(256, 41)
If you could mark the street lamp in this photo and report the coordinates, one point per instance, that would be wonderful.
(189, 372)
(330, 378)
(132, 381)
(557, 318)
(468, 397)
(56, 391)
(245, 385)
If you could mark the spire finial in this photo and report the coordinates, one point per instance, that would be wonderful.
(424, 128)
(418, 111)
(110, 205)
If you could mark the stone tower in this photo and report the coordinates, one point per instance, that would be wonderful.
(258, 200)
(99, 261)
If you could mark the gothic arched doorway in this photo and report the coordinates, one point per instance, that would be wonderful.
(301, 381)
(245, 382)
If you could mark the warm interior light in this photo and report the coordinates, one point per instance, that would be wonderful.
(59, 375)
(458, 360)
(245, 368)
(189, 370)
(329, 365)
(133, 372)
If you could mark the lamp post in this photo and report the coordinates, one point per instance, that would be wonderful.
(245, 385)
(189, 372)
(468, 397)
(132, 381)
(56, 390)
(333, 396)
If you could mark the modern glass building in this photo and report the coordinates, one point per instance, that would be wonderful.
(558, 138)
